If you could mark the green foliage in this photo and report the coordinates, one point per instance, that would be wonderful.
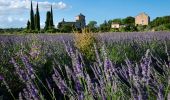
(141, 28)
(49, 24)
(129, 21)
(118, 20)
(34, 23)
(115, 30)
(92, 26)
(28, 25)
(12, 31)
(163, 27)
(66, 29)
(105, 27)
(160, 21)
(35, 20)
(85, 43)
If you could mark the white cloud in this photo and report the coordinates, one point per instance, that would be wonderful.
(6, 5)
(11, 21)
(47, 5)
(16, 10)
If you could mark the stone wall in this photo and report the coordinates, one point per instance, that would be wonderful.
(142, 19)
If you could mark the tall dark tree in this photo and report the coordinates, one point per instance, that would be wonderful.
(48, 21)
(51, 19)
(32, 18)
(37, 21)
(28, 25)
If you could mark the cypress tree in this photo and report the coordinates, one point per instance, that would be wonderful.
(51, 19)
(48, 21)
(32, 18)
(37, 18)
(28, 25)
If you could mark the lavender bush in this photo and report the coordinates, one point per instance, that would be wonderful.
(126, 66)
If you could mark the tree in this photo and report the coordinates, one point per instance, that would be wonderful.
(66, 28)
(105, 27)
(117, 20)
(28, 25)
(92, 25)
(32, 18)
(37, 17)
(129, 21)
(48, 21)
(49, 24)
(160, 21)
(35, 20)
(51, 18)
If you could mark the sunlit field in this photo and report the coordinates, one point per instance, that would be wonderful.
(85, 66)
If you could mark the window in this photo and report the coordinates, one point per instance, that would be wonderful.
(142, 21)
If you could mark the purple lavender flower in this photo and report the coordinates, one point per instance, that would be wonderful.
(22, 75)
(97, 55)
(80, 91)
(145, 65)
(32, 90)
(61, 84)
(20, 96)
(160, 92)
(48, 84)
(28, 66)
(130, 70)
(1, 78)
(35, 51)
(79, 67)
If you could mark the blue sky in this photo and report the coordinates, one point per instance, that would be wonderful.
(16, 12)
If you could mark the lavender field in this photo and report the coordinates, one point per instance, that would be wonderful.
(100, 66)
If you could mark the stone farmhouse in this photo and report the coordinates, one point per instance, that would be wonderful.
(117, 25)
(142, 19)
(79, 23)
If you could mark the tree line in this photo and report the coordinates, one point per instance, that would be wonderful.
(33, 25)
(158, 24)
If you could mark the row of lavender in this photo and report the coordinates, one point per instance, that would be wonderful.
(108, 37)
(51, 67)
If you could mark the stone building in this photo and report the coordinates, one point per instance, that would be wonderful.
(79, 23)
(115, 25)
(142, 19)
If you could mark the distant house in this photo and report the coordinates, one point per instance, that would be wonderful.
(115, 25)
(79, 23)
(142, 19)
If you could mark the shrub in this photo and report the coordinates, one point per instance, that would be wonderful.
(84, 42)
